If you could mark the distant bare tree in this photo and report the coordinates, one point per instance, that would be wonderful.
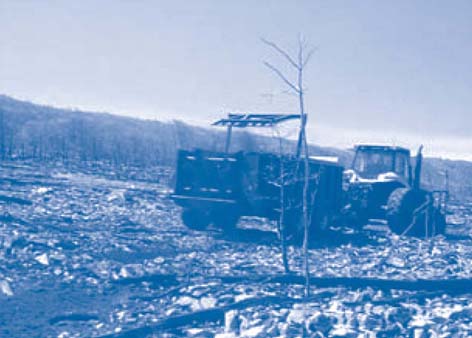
(2, 136)
(298, 63)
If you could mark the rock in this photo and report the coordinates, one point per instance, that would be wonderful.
(208, 302)
(253, 332)
(226, 335)
(189, 301)
(5, 288)
(320, 323)
(232, 321)
(43, 259)
(42, 190)
(296, 316)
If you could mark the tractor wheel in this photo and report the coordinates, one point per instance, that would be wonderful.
(225, 219)
(195, 219)
(401, 207)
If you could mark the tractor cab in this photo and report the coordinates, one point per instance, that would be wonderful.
(381, 163)
(382, 184)
(375, 173)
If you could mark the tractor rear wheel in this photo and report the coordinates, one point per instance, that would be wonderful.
(195, 219)
(401, 218)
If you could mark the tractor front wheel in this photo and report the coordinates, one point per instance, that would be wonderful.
(410, 212)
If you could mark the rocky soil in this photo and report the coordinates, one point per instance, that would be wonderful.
(99, 251)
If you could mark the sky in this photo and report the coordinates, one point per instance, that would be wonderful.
(390, 72)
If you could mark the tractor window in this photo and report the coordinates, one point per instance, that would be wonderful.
(401, 164)
(369, 164)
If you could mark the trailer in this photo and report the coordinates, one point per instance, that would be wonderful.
(220, 187)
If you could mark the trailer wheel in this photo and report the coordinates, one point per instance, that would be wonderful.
(319, 226)
(225, 219)
(293, 227)
(195, 219)
(320, 222)
(401, 207)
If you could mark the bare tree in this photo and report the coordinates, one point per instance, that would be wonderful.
(282, 180)
(299, 63)
(2, 136)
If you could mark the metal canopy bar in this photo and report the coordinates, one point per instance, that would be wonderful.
(255, 120)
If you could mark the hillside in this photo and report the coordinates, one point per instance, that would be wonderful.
(34, 132)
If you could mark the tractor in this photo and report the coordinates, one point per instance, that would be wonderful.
(382, 184)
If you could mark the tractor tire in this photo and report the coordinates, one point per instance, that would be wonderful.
(195, 219)
(401, 206)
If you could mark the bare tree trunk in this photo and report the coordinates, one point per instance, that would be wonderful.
(306, 172)
(302, 145)
(283, 239)
(306, 223)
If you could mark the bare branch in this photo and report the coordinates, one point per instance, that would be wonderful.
(308, 57)
(281, 51)
(284, 79)
(289, 92)
(301, 47)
